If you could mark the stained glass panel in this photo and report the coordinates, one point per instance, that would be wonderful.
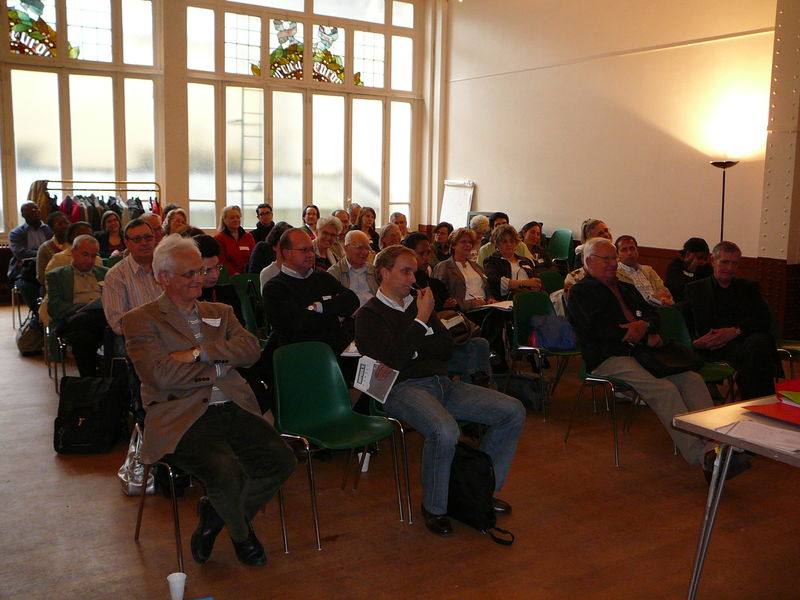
(244, 157)
(199, 38)
(200, 110)
(400, 153)
(286, 49)
(367, 153)
(402, 14)
(402, 63)
(137, 32)
(139, 130)
(368, 52)
(89, 29)
(287, 156)
(328, 47)
(361, 10)
(32, 27)
(242, 44)
(328, 152)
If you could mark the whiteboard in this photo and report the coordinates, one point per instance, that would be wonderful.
(456, 202)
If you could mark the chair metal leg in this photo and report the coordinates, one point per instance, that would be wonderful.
(347, 467)
(311, 487)
(282, 510)
(141, 503)
(574, 408)
(175, 515)
(613, 421)
(397, 477)
(402, 430)
(561, 366)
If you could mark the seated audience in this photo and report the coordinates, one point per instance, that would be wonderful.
(730, 321)
(24, 242)
(200, 414)
(263, 253)
(366, 223)
(110, 235)
(264, 225)
(344, 217)
(507, 271)
(74, 306)
(156, 225)
(310, 218)
(403, 333)
(390, 236)
(399, 219)
(176, 221)
(63, 258)
(608, 317)
(353, 271)
(590, 228)
(58, 223)
(211, 292)
(531, 234)
(643, 277)
(274, 267)
(327, 251)
(441, 243)
(302, 304)
(488, 248)
(130, 283)
(353, 211)
(480, 225)
(691, 265)
(236, 244)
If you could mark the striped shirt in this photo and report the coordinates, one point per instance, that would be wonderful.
(128, 285)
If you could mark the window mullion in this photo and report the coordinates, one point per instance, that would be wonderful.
(348, 149)
(221, 154)
(385, 162)
(65, 121)
(116, 32)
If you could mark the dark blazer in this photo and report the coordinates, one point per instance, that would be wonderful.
(496, 267)
(701, 303)
(175, 394)
(449, 274)
(595, 314)
(60, 291)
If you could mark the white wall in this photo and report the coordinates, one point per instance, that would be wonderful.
(561, 110)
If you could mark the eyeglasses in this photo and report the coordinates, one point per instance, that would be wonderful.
(305, 250)
(607, 259)
(264, 212)
(202, 272)
(141, 238)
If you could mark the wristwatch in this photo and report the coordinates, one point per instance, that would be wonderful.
(196, 354)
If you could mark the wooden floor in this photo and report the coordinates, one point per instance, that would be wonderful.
(584, 528)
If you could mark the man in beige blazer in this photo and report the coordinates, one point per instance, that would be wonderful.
(200, 413)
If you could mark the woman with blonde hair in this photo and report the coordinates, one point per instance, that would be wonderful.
(235, 243)
(176, 221)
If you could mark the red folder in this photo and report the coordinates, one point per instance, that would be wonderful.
(782, 411)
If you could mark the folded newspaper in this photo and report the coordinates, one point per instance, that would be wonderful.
(367, 382)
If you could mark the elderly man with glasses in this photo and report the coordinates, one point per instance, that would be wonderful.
(201, 416)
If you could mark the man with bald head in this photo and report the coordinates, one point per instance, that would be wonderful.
(353, 271)
(74, 306)
(303, 304)
(610, 317)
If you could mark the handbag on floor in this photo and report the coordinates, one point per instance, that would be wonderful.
(30, 335)
(131, 473)
(471, 489)
(90, 413)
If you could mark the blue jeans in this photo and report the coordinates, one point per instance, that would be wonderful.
(432, 405)
(470, 358)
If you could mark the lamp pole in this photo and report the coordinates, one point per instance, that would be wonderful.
(724, 165)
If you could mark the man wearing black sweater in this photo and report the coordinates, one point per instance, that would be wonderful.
(404, 334)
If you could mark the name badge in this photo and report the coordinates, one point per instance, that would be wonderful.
(212, 322)
(245, 248)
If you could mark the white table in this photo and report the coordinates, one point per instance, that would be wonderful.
(705, 423)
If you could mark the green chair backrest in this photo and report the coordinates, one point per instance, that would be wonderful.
(112, 260)
(241, 283)
(309, 388)
(224, 276)
(773, 326)
(560, 246)
(526, 305)
(673, 326)
(552, 281)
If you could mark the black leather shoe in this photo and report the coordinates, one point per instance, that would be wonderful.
(740, 462)
(501, 507)
(250, 551)
(207, 530)
(438, 524)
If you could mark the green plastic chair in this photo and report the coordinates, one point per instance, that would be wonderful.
(527, 305)
(787, 349)
(112, 260)
(552, 281)
(615, 386)
(317, 408)
(673, 328)
(560, 247)
(246, 285)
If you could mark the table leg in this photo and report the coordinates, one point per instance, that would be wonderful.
(721, 465)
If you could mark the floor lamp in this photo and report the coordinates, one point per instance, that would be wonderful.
(724, 165)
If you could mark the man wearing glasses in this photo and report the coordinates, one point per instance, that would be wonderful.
(201, 415)
(130, 282)
(265, 223)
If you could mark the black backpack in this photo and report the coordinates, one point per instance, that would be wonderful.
(90, 414)
(471, 490)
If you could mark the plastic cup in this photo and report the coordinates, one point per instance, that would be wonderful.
(177, 582)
